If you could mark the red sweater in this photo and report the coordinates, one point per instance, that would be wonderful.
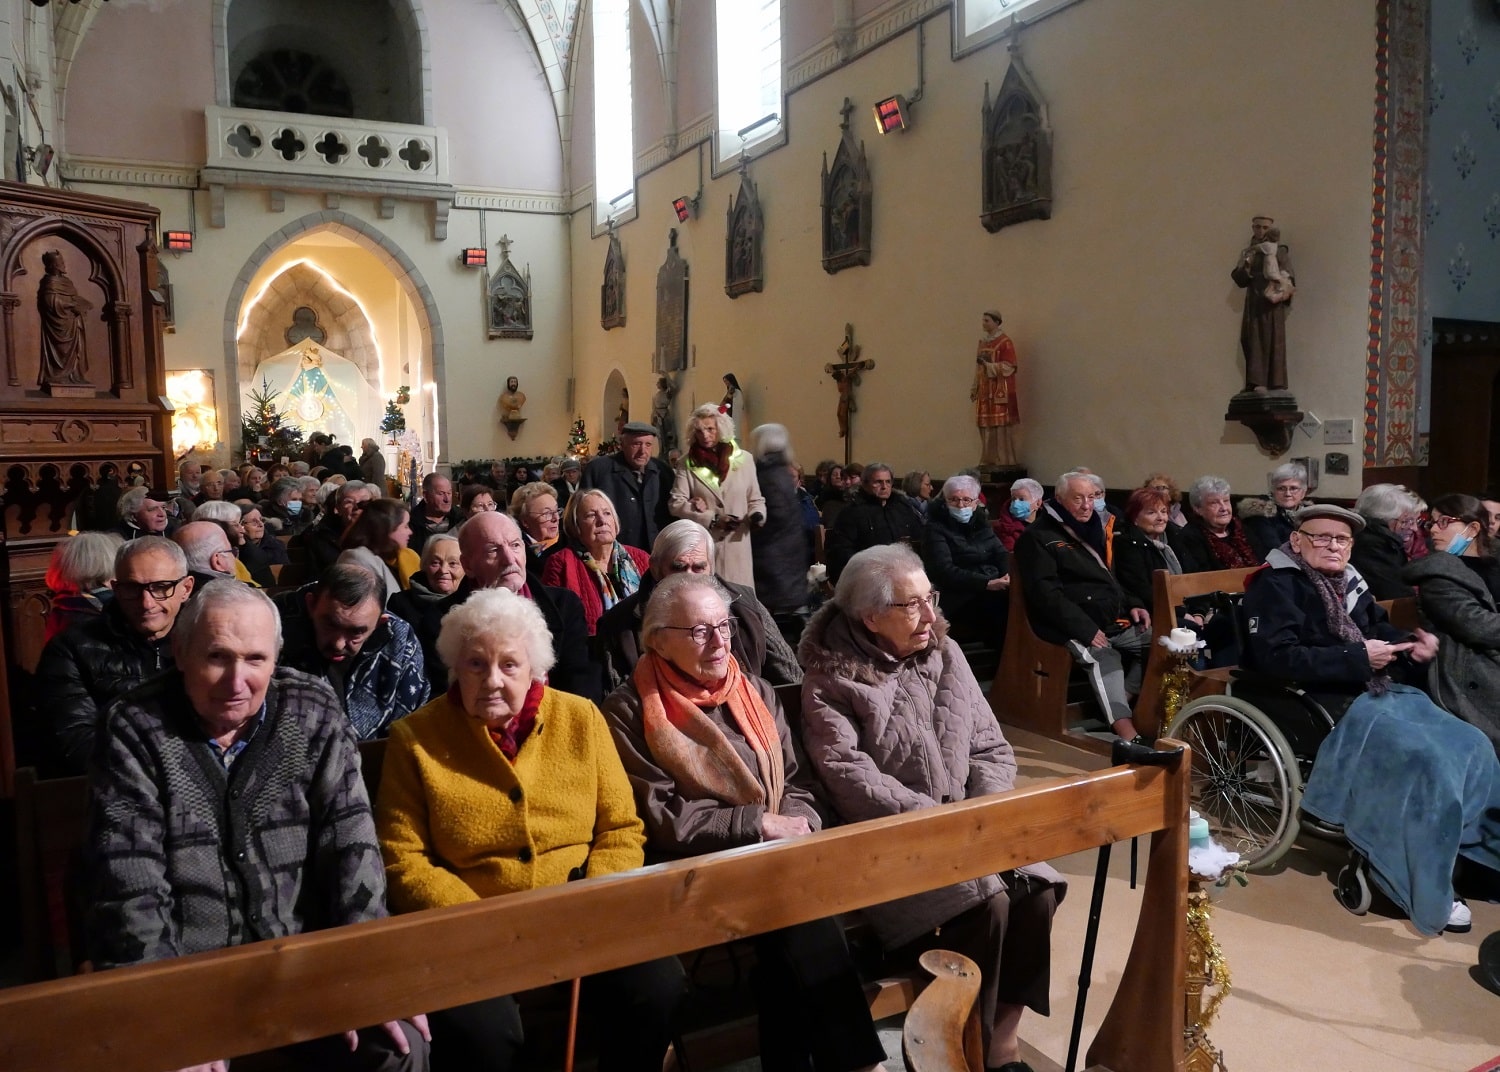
(565, 569)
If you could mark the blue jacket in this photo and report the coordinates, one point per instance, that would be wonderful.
(387, 679)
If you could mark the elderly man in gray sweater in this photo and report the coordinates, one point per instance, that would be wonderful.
(227, 807)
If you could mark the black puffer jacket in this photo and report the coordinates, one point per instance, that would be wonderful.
(81, 672)
(779, 547)
(870, 522)
(1070, 593)
(1288, 636)
(1380, 556)
(962, 557)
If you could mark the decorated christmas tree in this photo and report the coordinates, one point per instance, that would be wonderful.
(264, 431)
(578, 440)
(394, 421)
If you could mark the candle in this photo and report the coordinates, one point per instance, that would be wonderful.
(1183, 638)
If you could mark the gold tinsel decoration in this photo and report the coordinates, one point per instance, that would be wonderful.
(1215, 967)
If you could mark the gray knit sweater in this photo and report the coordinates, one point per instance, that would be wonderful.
(185, 856)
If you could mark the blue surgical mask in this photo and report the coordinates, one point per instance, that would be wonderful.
(1460, 544)
(1099, 506)
(1020, 509)
(294, 506)
(962, 513)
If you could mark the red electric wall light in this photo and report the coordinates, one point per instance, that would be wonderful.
(178, 241)
(474, 257)
(892, 114)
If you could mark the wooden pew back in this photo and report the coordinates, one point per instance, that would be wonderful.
(1030, 690)
(1168, 592)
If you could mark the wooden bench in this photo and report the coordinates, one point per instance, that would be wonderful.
(299, 988)
(1030, 690)
(1168, 591)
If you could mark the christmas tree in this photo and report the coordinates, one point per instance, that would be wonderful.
(264, 431)
(578, 441)
(394, 420)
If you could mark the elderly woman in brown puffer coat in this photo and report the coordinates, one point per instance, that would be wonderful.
(894, 722)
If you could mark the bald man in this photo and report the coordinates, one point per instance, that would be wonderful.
(493, 553)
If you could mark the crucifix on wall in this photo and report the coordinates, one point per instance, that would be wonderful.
(845, 373)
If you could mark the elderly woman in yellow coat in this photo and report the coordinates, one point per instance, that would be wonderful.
(504, 784)
(715, 485)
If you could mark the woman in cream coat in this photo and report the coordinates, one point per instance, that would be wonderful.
(715, 485)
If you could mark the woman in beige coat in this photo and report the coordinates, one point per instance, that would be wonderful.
(715, 485)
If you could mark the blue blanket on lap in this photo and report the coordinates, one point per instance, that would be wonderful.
(1413, 787)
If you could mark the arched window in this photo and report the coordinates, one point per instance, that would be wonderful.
(749, 79)
(614, 140)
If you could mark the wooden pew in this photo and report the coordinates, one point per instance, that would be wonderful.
(170, 1014)
(1403, 613)
(1168, 592)
(1030, 690)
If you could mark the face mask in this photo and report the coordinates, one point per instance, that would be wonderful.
(1099, 506)
(1460, 544)
(294, 506)
(962, 513)
(1020, 509)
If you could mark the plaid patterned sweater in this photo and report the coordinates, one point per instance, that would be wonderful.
(184, 855)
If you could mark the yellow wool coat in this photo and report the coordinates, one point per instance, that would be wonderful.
(458, 821)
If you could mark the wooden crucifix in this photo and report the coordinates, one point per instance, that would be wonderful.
(845, 373)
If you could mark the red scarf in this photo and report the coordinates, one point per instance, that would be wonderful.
(1232, 550)
(511, 736)
(715, 459)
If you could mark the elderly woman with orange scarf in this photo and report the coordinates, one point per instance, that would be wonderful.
(595, 565)
(476, 800)
(710, 760)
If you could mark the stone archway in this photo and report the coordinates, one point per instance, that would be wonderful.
(346, 330)
(401, 267)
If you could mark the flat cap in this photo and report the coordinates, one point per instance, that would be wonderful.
(638, 428)
(1328, 511)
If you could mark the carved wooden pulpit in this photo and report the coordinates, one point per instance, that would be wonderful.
(83, 395)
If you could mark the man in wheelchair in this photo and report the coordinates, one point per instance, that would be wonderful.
(1412, 786)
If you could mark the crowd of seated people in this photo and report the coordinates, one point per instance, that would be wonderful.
(461, 632)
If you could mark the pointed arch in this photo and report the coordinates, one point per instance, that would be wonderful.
(401, 266)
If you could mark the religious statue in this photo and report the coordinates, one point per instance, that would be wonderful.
(1264, 271)
(845, 373)
(997, 409)
(661, 412)
(622, 415)
(511, 401)
(65, 358)
(732, 405)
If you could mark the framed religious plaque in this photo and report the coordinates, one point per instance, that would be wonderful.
(612, 292)
(1016, 152)
(671, 310)
(508, 298)
(744, 270)
(847, 201)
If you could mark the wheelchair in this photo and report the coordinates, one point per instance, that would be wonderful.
(1253, 750)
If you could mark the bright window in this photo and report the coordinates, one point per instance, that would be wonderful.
(749, 37)
(614, 143)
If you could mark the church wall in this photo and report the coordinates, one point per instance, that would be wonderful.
(160, 58)
(1121, 305)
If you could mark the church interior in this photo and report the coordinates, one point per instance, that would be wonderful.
(359, 206)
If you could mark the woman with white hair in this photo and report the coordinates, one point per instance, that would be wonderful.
(967, 563)
(895, 722)
(779, 547)
(595, 565)
(716, 485)
(80, 579)
(249, 563)
(711, 762)
(1269, 522)
(1213, 538)
(1026, 497)
(477, 801)
(1391, 512)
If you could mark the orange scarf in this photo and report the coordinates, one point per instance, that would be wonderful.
(693, 750)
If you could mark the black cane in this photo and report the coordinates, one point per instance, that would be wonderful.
(1090, 939)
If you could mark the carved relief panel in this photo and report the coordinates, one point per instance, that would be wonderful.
(744, 270)
(508, 299)
(1016, 150)
(612, 292)
(848, 201)
(671, 310)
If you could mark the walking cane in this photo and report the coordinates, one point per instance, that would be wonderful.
(572, 1026)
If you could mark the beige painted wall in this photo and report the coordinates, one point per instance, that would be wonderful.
(1121, 305)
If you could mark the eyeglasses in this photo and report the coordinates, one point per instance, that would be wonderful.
(545, 515)
(914, 606)
(961, 503)
(1439, 521)
(699, 633)
(157, 590)
(1325, 539)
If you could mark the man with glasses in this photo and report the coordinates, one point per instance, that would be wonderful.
(85, 669)
(493, 553)
(877, 516)
(209, 555)
(1072, 598)
(685, 546)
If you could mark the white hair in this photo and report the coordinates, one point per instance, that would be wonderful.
(1032, 488)
(768, 439)
(725, 425)
(435, 539)
(961, 482)
(130, 503)
(217, 510)
(223, 592)
(1205, 486)
(667, 594)
(497, 613)
(868, 583)
(1070, 476)
(1287, 471)
(681, 535)
(1385, 503)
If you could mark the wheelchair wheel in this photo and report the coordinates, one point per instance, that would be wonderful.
(1353, 888)
(1489, 962)
(1245, 778)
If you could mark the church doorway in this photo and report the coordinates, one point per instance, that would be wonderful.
(1464, 447)
(616, 406)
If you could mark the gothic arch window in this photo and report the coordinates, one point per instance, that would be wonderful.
(614, 140)
(298, 57)
(748, 76)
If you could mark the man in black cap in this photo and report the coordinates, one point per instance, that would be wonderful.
(637, 484)
(568, 482)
